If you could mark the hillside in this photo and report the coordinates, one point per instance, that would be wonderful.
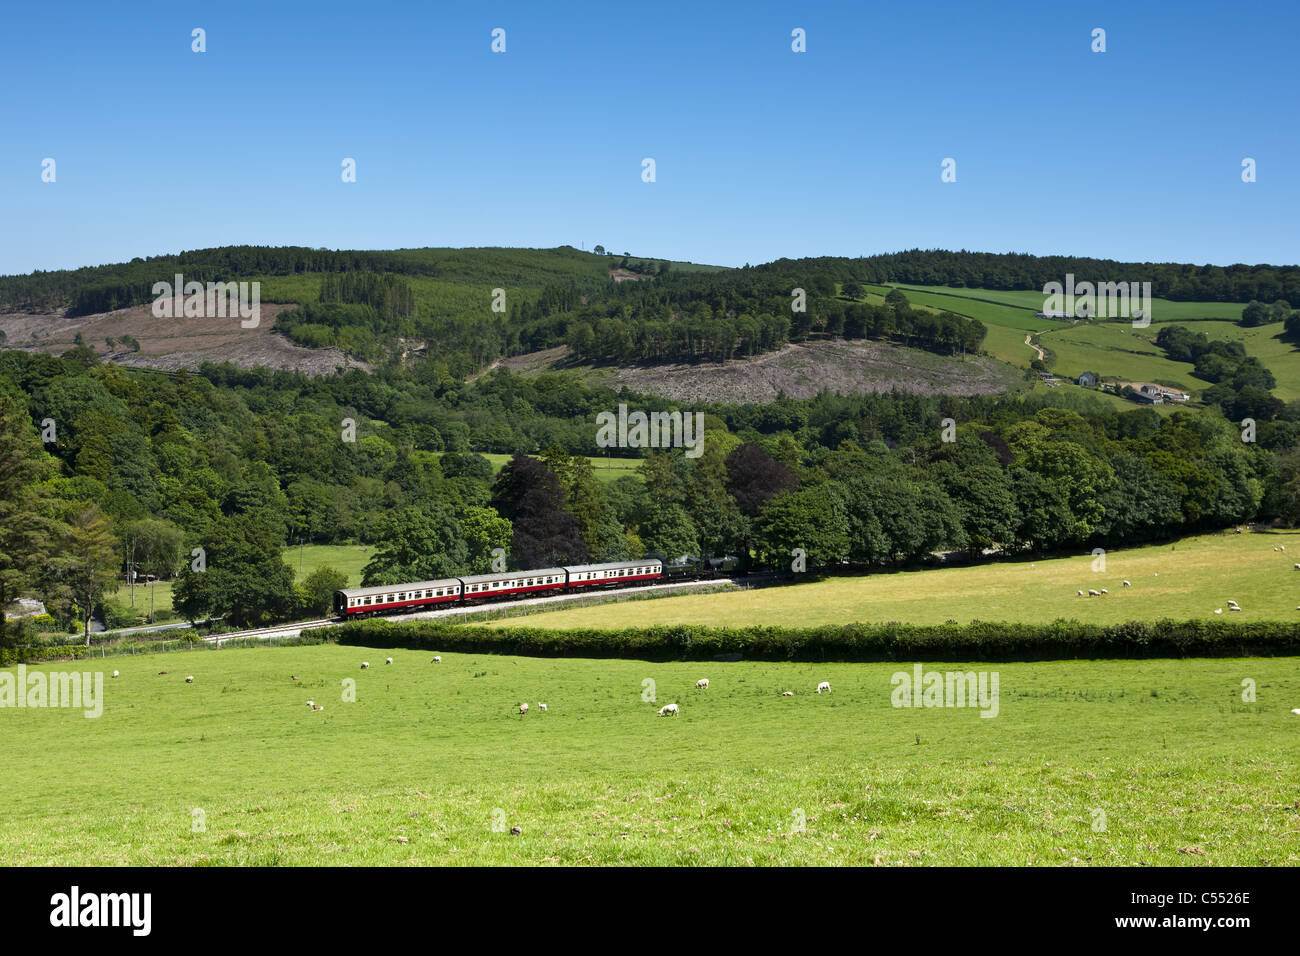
(799, 370)
(680, 330)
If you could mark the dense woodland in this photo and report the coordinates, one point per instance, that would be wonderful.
(140, 469)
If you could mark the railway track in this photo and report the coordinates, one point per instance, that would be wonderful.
(295, 630)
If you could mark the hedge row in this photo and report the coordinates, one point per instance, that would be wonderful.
(47, 653)
(977, 641)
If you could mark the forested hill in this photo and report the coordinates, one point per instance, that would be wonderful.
(107, 287)
(469, 307)
(988, 270)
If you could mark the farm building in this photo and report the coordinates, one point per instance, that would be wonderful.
(1088, 380)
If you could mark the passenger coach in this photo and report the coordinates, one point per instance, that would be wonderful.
(396, 598)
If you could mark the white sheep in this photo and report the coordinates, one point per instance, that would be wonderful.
(1296, 711)
(1218, 610)
(824, 686)
(114, 673)
(667, 710)
(1296, 566)
(436, 660)
(1283, 547)
(541, 706)
(388, 660)
(787, 693)
(1234, 608)
(1093, 593)
(319, 707)
(1080, 593)
(523, 709)
(365, 664)
(1104, 591)
(190, 679)
(311, 704)
(702, 684)
(1128, 584)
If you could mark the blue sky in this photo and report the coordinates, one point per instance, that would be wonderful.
(1132, 154)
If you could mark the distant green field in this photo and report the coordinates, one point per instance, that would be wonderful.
(1162, 310)
(348, 558)
(1186, 580)
(607, 469)
(1111, 349)
(1101, 763)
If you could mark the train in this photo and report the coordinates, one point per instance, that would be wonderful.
(356, 603)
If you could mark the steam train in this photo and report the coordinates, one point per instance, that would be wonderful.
(476, 588)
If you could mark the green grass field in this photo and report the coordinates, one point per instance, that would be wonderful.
(607, 469)
(429, 758)
(1187, 580)
(1111, 349)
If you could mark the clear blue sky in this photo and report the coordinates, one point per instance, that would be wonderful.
(1133, 154)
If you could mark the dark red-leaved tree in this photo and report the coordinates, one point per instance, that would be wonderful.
(546, 533)
(754, 476)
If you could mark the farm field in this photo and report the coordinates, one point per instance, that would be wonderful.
(1162, 310)
(1111, 349)
(1186, 580)
(235, 769)
(607, 469)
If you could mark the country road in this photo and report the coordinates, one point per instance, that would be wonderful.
(1033, 346)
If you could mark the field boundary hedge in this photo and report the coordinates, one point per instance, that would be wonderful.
(976, 641)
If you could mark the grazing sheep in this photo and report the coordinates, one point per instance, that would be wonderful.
(1296, 711)
(1128, 584)
(1218, 610)
(160, 673)
(523, 709)
(702, 684)
(436, 660)
(1080, 593)
(1283, 547)
(668, 709)
(114, 673)
(1234, 608)
(311, 704)
(190, 679)
(1104, 591)
(1296, 566)
(787, 693)
(541, 706)
(365, 664)
(388, 660)
(291, 677)
(824, 686)
(319, 707)
(1093, 593)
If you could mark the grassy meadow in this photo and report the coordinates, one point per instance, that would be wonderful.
(1111, 349)
(1184, 580)
(1086, 763)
